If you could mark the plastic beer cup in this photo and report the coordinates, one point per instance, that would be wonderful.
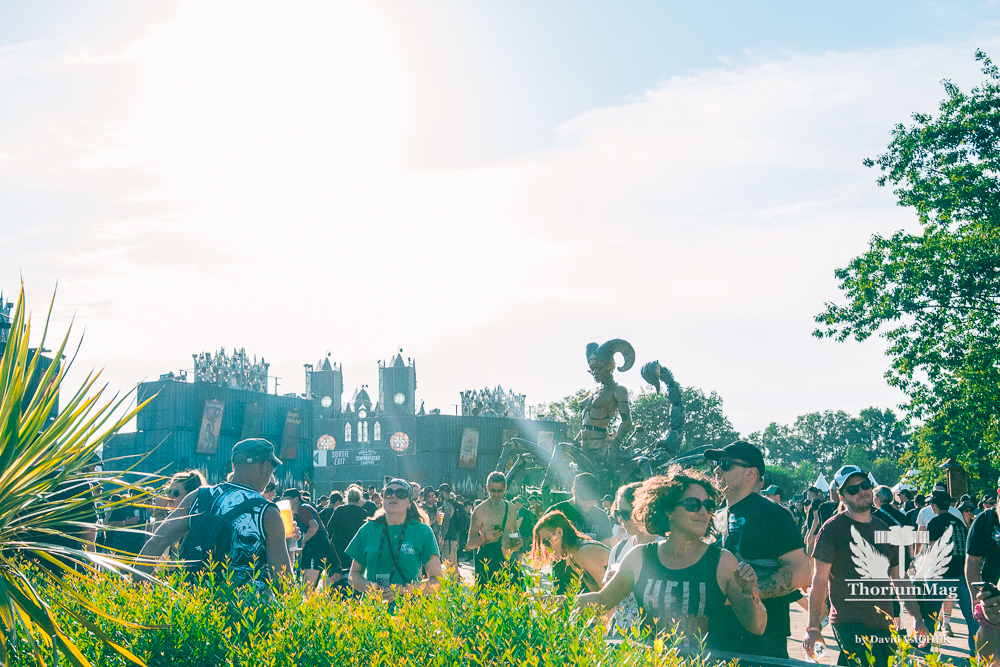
(285, 507)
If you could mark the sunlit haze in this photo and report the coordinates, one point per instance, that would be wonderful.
(489, 188)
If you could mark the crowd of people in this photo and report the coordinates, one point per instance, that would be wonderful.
(716, 557)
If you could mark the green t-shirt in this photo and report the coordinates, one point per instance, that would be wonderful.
(418, 546)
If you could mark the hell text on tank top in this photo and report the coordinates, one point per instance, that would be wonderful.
(689, 598)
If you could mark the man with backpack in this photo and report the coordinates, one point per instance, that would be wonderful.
(230, 523)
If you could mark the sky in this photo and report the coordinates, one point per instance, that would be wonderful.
(488, 186)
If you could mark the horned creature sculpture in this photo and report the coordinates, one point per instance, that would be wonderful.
(608, 399)
(654, 374)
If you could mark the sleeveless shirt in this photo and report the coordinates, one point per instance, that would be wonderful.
(248, 555)
(689, 598)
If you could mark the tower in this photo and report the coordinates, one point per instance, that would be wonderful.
(326, 384)
(397, 384)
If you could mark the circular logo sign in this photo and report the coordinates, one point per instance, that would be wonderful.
(326, 442)
(399, 441)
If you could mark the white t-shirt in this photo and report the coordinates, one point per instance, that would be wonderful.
(925, 515)
(627, 614)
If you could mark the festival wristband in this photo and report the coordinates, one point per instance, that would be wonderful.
(814, 630)
(980, 615)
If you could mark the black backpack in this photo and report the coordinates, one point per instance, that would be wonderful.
(210, 536)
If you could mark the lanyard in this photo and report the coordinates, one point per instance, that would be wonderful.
(394, 556)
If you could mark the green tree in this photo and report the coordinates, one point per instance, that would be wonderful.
(827, 440)
(566, 410)
(781, 445)
(705, 422)
(887, 471)
(935, 295)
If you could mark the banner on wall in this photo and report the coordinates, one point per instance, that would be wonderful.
(211, 424)
(546, 439)
(470, 448)
(253, 415)
(290, 436)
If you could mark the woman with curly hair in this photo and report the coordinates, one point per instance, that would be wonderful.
(554, 539)
(684, 582)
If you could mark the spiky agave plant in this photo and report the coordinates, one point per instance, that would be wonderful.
(48, 496)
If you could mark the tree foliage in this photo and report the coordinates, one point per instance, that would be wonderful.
(565, 410)
(935, 295)
(705, 422)
(827, 440)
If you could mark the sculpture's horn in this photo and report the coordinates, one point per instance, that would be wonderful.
(650, 372)
(622, 346)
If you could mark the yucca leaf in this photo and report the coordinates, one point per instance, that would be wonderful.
(47, 491)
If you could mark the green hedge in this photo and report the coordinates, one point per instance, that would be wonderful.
(202, 626)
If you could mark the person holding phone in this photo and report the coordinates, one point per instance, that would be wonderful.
(393, 546)
(987, 613)
(493, 532)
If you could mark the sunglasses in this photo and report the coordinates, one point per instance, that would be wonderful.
(695, 504)
(500, 490)
(853, 489)
(623, 515)
(270, 487)
(725, 465)
(175, 493)
(399, 492)
(547, 541)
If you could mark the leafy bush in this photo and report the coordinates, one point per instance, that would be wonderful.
(210, 626)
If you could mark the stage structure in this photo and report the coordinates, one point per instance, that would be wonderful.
(325, 441)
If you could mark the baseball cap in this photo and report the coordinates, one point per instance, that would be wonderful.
(940, 496)
(741, 450)
(772, 490)
(585, 486)
(254, 450)
(844, 473)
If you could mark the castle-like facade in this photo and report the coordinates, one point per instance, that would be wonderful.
(324, 441)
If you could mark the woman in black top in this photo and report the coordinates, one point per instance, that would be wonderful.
(683, 581)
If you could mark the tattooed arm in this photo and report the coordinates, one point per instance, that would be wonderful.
(795, 572)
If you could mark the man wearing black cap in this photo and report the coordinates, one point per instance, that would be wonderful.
(937, 528)
(764, 534)
(258, 533)
(982, 560)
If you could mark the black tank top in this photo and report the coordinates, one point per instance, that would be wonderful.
(689, 598)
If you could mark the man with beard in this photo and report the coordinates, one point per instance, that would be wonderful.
(855, 617)
(491, 526)
(762, 533)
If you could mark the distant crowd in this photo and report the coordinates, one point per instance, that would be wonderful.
(717, 558)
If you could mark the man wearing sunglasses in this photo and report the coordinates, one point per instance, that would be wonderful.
(493, 532)
(854, 615)
(762, 533)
